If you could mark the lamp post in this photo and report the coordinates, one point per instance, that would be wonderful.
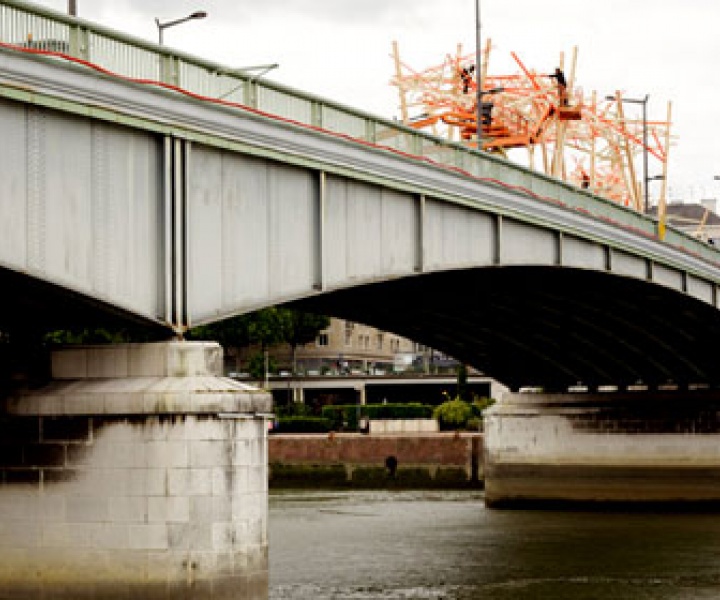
(199, 14)
(478, 77)
(645, 142)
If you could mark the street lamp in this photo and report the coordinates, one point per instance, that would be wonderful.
(645, 142)
(200, 14)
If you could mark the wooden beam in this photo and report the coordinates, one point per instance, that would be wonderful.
(400, 83)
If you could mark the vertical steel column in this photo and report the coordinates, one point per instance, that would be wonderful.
(37, 195)
(420, 235)
(176, 156)
(320, 275)
(559, 241)
(497, 240)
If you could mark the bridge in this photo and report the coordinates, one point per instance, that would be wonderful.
(140, 185)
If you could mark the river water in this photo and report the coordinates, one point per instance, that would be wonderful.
(447, 545)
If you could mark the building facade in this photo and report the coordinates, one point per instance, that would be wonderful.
(347, 348)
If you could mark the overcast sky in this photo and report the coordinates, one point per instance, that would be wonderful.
(341, 49)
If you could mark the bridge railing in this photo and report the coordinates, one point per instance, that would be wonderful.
(40, 28)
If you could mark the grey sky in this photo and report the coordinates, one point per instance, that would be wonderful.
(341, 49)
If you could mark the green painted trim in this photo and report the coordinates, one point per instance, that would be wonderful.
(84, 110)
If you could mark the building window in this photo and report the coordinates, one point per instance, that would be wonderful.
(349, 325)
(379, 341)
(322, 339)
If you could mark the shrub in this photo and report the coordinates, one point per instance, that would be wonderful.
(303, 425)
(480, 404)
(341, 416)
(453, 414)
(398, 411)
(474, 424)
(346, 415)
(294, 409)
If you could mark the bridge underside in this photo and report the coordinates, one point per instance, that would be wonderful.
(552, 328)
(30, 305)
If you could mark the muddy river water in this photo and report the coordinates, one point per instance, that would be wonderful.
(447, 545)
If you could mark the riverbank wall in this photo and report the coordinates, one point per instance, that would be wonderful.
(403, 461)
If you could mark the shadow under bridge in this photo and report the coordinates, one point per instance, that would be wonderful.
(547, 327)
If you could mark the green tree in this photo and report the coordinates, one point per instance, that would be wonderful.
(97, 335)
(258, 367)
(266, 327)
(302, 329)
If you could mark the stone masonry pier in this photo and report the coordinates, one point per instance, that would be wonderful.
(632, 448)
(138, 472)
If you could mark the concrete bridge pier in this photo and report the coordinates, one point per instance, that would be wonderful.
(138, 472)
(632, 448)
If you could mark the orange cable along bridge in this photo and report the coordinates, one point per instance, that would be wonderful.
(583, 140)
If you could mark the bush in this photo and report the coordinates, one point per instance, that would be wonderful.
(294, 409)
(341, 416)
(346, 415)
(398, 411)
(480, 404)
(474, 424)
(453, 414)
(303, 425)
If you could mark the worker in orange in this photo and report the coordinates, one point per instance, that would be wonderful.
(584, 179)
(559, 76)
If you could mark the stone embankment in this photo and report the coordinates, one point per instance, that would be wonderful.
(434, 460)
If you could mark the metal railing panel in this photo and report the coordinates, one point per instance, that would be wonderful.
(206, 81)
(31, 30)
(121, 58)
(341, 121)
(386, 134)
(284, 104)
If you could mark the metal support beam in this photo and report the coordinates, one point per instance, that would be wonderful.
(559, 249)
(497, 240)
(420, 217)
(176, 158)
(320, 213)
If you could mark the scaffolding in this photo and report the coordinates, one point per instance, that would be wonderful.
(584, 140)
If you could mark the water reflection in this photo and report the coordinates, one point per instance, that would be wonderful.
(436, 545)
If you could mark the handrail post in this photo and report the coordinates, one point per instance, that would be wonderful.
(169, 69)
(79, 42)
